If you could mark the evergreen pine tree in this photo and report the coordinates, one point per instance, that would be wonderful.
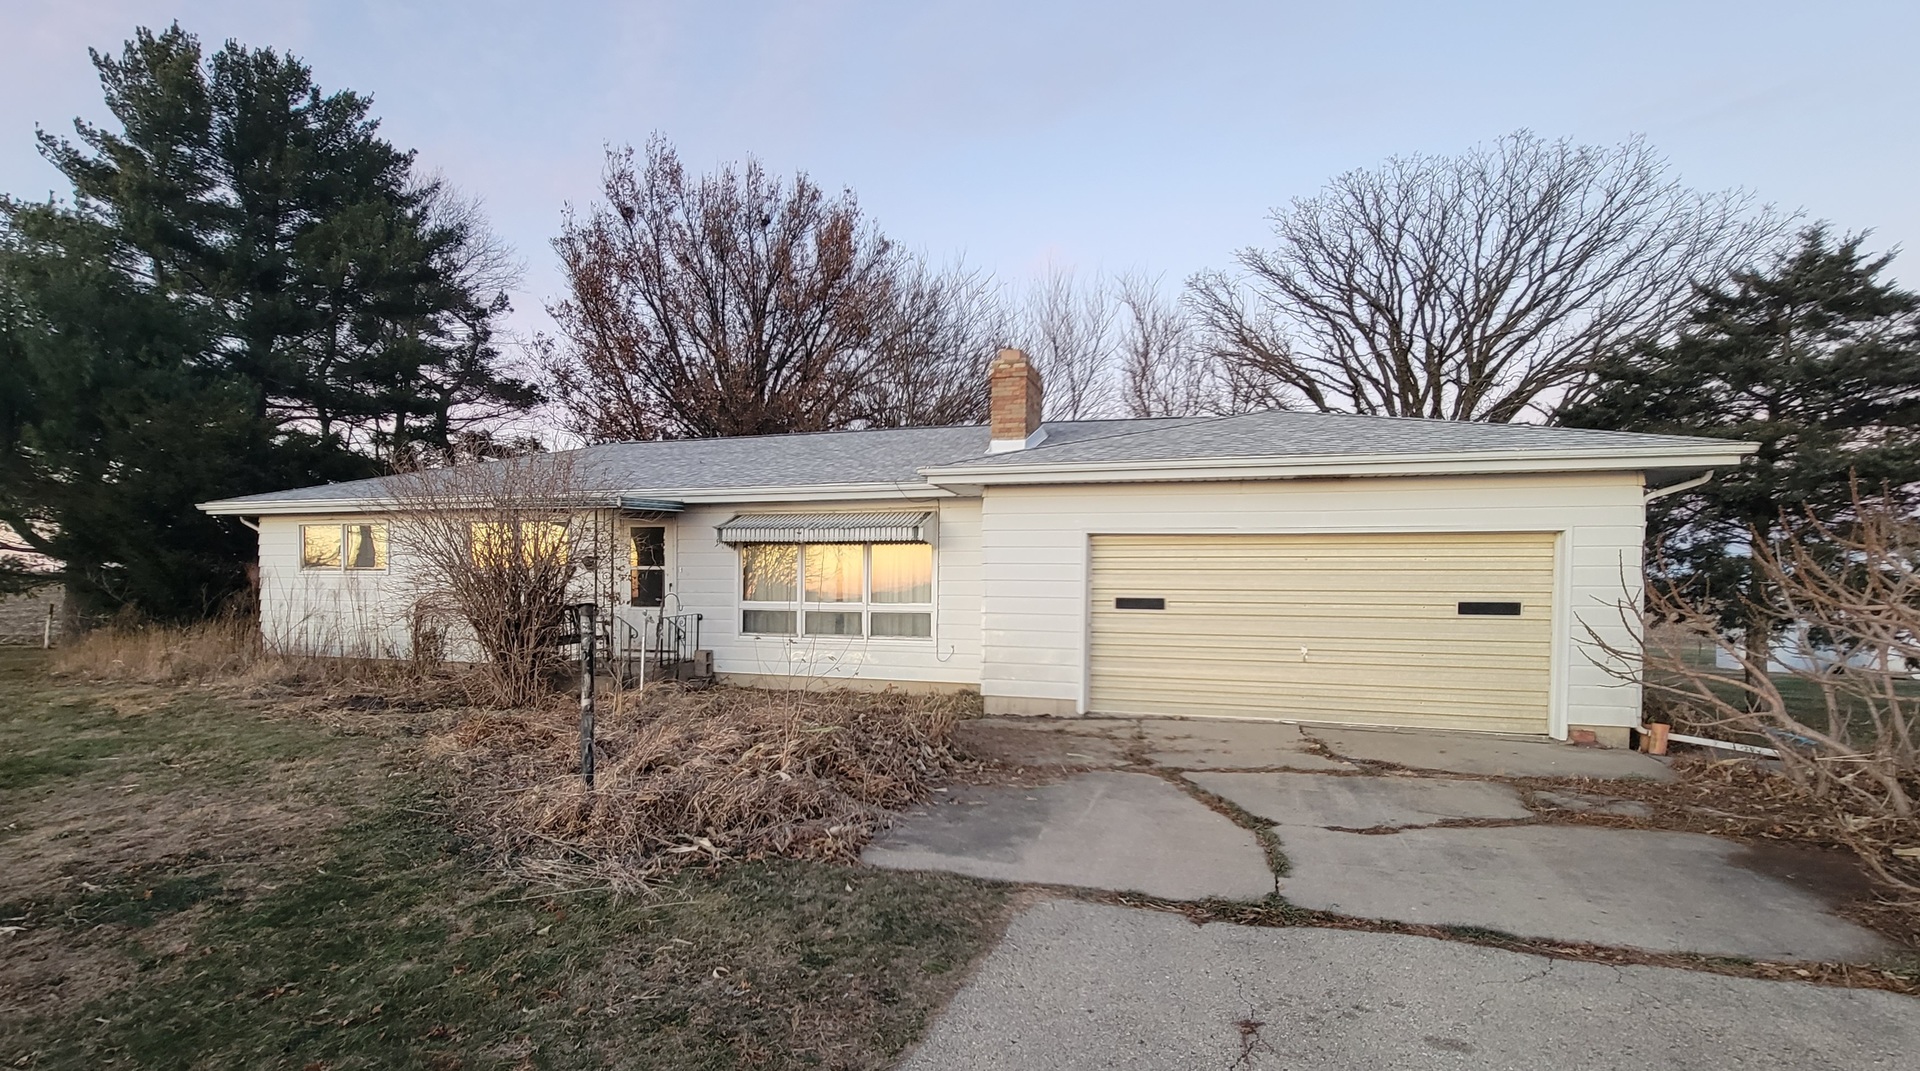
(250, 290)
(1817, 359)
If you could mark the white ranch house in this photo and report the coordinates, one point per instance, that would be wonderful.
(1297, 566)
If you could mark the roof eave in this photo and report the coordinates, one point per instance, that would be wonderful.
(241, 507)
(1489, 462)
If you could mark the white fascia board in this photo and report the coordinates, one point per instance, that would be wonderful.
(1256, 468)
(849, 492)
(846, 492)
(238, 507)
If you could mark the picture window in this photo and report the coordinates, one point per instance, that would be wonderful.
(879, 590)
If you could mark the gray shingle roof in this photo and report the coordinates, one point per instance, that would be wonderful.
(885, 456)
(1284, 434)
(894, 457)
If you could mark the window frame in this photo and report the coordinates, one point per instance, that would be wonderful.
(800, 606)
(382, 542)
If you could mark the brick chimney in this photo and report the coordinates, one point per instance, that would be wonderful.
(1013, 392)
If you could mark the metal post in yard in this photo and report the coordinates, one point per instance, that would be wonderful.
(588, 631)
(46, 635)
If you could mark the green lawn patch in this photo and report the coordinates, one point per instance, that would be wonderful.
(322, 915)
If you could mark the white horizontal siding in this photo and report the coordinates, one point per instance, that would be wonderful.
(350, 613)
(359, 614)
(1036, 539)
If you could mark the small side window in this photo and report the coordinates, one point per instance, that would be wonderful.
(366, 546)
(319, 546)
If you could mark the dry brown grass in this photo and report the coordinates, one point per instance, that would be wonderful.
(228, 652)
(226, 647)
(698, 777)
(684, 777)
(195, 873)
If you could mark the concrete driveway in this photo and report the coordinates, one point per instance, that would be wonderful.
(1400, 827)
(1191, 810)
(1078, 985)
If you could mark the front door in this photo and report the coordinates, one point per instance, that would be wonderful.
(648, 590)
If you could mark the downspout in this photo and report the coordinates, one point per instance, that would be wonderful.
(1676, 488)
(255, 525)
(1723, 745)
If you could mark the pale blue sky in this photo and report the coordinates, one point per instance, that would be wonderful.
(1093, 135)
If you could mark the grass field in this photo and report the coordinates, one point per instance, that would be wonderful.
(1805, 699)
(190, 880)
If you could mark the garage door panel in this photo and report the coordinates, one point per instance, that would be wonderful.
(1378, 614)
(1372, 680)
(1383, 623)
(1312, 697)
(1512, 661)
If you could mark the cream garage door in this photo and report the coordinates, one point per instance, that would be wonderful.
(1450, 631)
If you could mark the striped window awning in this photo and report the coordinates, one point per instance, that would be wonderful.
(892, 527)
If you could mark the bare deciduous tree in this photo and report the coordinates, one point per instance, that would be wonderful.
(739, 303)
(931, 368)
(1852, 591)
(1473, 287)
(497, 550)
(483, 265)
(1165, 371)
(1066, 326)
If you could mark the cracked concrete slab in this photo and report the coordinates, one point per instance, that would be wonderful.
(1665, 892)
(1199, 744)
(1494, 756)
(1127, 832)
(1081, 986)
(1044, 742)
(1306, 799)
(1590, 803)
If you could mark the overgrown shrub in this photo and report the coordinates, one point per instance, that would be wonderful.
(1845, 717)
(503, 548)
(697, 777)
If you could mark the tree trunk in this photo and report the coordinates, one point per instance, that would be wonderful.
(1758, 637)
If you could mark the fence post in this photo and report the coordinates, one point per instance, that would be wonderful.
(588, 631)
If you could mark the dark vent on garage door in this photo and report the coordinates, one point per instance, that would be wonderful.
(1138, 602)
(1489, 609)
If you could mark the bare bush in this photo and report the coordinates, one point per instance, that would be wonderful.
(1849, 595)
(702, 777)
(504, 548)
